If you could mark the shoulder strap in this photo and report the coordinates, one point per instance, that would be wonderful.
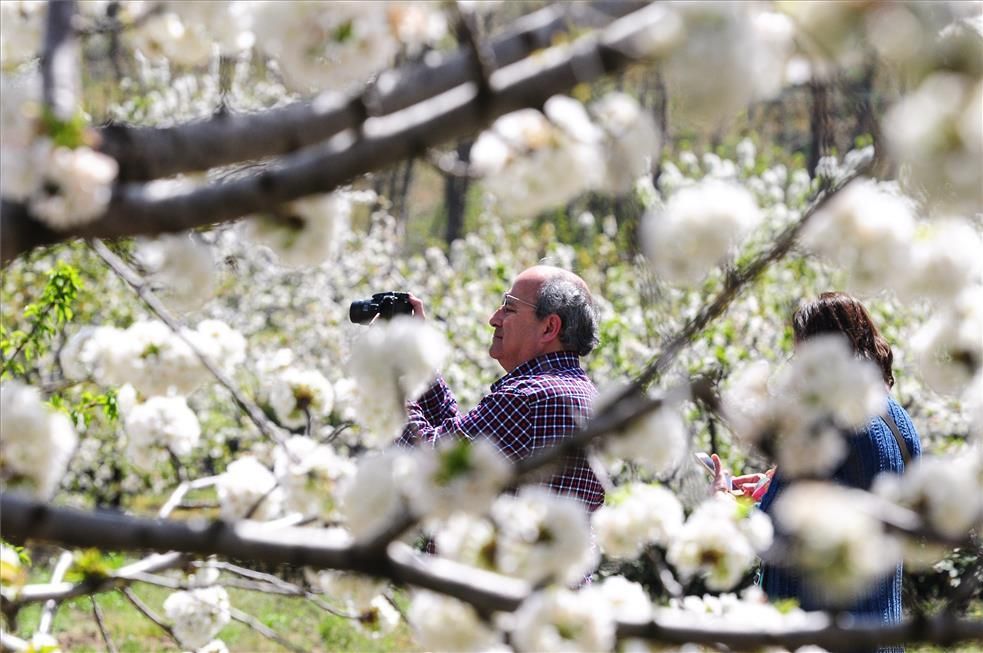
(902, 445)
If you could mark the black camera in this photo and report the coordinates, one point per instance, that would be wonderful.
(384, 304)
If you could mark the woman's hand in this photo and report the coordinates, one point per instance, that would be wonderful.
(722, 481)
(754, 485)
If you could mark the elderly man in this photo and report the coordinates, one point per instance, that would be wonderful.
(546, 322)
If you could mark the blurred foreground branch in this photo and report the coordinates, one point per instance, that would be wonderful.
(138, 209)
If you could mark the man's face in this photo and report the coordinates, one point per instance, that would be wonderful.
(518, 331)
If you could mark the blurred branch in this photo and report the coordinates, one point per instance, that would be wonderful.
(48, 612)
(23, 518)
(457, 113)
(267, 632)
(97, 614)
(60, 60)
(148, 613)
(146, 153)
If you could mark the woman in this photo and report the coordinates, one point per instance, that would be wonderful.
(873, 450)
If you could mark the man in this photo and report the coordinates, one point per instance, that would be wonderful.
(546, 322)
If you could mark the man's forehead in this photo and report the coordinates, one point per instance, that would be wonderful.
(526, 287)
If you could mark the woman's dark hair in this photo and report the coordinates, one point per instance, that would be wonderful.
(837, 312)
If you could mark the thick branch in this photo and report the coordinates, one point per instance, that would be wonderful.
(146, 153)
(60, 60)
(23, 518)
(322, 168)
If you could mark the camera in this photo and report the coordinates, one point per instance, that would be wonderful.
(383, 304)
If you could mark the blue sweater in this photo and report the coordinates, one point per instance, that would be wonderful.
(872, 451)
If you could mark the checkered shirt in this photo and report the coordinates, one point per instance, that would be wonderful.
(532, 407)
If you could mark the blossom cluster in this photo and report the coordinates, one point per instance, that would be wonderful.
(823, 391)
(37, 442)
(198, 615)
(531, 161)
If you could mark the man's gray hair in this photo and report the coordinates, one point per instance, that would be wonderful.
(573, 303)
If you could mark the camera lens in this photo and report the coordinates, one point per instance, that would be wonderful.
(362, 312)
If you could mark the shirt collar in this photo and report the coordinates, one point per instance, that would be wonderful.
(558, 360)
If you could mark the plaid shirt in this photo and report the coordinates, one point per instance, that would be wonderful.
(530, 408)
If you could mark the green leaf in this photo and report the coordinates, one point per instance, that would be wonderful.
(64, 133)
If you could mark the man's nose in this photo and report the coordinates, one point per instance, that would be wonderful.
(494, 319)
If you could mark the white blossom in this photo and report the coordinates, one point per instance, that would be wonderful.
(37, 441)
(379, 619)
(628, 600)
(295, 393)
(697, 229)
(225, 346)
(227, 24)
(936, 132)
(543, 536)
(657, 440)
(631, 140)
(75, 185)
(637, 515)
(198, 615)
(714, 543)
(728, 54)
(248, 486)
(21, 28)
(164, 36)
(373, 498)
(949, 349)
(311, 476)
(166, 422)
(944, 263)
(457, 475)
(530, 164)
(442, 623)
(394, 362)
(867, 229)
(416, 24)
(13, 573)
(304, 232)
(20, 107)
(947, 490)
(558, 619)
(180, 268)
(837, 542)
(823, 390)
(468, 539)
(326, 45)
(151, 357)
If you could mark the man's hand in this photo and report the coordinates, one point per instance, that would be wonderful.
(417, 304)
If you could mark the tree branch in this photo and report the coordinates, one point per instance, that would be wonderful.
(60, 60)
(97, 614)
(48, 612)
(148, 613)
(382, 140)
(735, 282)
(146, 153)
(264, 630)
(136, 282)
(22, 517)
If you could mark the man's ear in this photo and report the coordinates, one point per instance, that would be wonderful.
(551, 327)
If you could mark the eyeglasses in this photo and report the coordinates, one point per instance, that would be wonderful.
(506, 298)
